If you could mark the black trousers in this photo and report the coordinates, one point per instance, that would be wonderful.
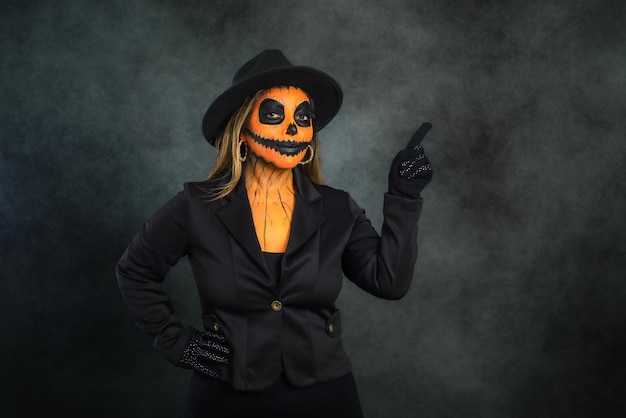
(210, 398)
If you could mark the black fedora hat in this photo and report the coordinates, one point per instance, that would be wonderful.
(269, 69)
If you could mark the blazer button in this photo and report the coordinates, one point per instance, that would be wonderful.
(216, 326)
(277, 306)
(331, 328)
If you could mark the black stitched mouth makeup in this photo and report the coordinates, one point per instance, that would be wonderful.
(289, 148)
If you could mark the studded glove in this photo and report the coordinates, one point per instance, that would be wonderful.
(410, 170)
(205, 351)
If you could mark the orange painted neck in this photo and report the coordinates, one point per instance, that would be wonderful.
(271, 194)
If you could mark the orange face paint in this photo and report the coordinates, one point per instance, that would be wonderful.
(278, 133)
(280, 127)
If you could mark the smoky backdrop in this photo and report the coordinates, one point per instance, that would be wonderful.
(517, 305)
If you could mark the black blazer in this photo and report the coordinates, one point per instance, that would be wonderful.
(293, 326)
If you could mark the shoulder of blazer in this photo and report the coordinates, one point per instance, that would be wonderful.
(334, 200)
(203, 190)
(313, 191)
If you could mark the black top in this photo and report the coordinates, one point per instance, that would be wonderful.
(273, 261)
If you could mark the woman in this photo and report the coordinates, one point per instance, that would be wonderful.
(269, 245)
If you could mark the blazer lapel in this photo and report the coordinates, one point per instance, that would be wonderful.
(300, 266)
(307, 216)
(236, 216)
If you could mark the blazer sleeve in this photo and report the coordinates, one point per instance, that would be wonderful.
(383, 265)
(142, 268)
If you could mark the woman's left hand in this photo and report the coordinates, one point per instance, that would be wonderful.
(410, 170)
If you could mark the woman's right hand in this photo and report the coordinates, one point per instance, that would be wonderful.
(205, 351)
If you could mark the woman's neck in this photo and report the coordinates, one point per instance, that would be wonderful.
(272, 200)
(265, 179)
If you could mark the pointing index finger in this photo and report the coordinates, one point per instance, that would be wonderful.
(419, 135)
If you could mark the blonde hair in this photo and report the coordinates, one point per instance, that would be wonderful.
(229, 167)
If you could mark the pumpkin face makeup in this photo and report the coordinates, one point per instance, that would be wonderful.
(280, 127)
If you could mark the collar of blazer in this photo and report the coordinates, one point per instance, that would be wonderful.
(236, 216)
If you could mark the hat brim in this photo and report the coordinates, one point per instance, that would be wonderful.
(323, 90)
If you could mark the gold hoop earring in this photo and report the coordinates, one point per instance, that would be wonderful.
(310, 157)
(243, 157)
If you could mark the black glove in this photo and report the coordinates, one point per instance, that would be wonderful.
(410, 170)
(205, 351)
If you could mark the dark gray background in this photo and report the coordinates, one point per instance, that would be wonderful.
(517, 307)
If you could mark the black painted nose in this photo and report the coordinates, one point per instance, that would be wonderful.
(292, 129)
